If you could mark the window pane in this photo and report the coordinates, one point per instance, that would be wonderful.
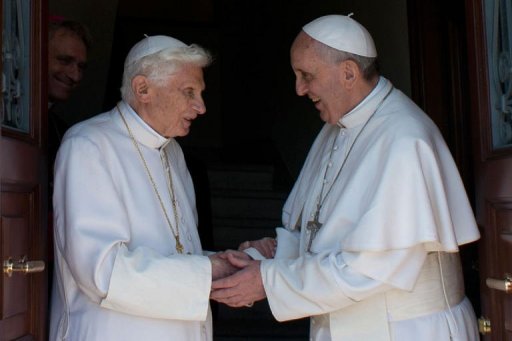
(16, 64)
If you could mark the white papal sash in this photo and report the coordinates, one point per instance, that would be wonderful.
(439, 287)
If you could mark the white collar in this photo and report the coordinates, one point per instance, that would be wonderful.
(367, 106)
(140, 129)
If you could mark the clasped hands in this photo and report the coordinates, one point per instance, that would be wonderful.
(236, 277)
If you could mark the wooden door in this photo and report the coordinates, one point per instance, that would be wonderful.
(23, 198)
(490, 69)
(440, 85)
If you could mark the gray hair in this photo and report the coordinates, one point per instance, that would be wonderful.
(368, 65)
(159, 66)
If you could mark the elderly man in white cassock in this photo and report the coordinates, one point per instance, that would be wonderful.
(373, 225)
(128, 259)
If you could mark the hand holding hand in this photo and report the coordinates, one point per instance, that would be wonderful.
(266, 246)
(242, 288)
(235, 254)
(221, 266)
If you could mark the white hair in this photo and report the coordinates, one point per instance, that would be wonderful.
(159, 66)
(368, 65)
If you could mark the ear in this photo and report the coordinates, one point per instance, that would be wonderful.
(350, 73)
(140, 88)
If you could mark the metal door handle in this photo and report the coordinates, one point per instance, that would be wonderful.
(502, 285)
(484, 325)
(23, 266)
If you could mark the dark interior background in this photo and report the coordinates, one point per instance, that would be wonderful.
(253, 114)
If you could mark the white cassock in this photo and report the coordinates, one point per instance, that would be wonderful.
(385, 263)
(117, 273)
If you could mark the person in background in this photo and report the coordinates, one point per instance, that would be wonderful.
(128, 260)
(373, 225)
(68, 44)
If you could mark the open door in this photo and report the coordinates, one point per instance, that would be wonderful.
(23, 184)
(490, 69)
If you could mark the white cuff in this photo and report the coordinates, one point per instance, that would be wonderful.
(254, 253)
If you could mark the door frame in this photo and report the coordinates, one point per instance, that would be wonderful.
(440, 86)
(493, 195)
(29, 175)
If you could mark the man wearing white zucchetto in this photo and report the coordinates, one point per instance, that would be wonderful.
(129, 265)
(372, 228)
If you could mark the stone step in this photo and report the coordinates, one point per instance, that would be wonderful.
(241, 177)
(246, 223)
(260, 330)
(247, 204)
(231, 237)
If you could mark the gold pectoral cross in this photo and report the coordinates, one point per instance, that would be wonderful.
(179, 246)
(313, 227)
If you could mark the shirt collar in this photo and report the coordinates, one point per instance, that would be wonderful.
(362, 112)
(142, 132)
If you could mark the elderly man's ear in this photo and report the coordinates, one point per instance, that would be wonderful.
(140, 88)
(349, 73)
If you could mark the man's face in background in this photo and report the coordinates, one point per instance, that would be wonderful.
(67, 60)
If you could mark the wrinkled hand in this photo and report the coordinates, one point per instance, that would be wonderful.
(235, 254)
(242, 288)
(221, 266)
(266, 246)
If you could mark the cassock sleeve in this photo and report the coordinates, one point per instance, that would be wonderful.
(92, 234)
(288, 242)
(318, 284)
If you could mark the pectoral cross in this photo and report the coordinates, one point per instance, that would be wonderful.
(179, 246)
(313, 227)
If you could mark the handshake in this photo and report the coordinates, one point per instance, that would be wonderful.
(236, 277)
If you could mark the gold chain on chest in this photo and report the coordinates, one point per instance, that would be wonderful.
(314, 225)
(175, 233)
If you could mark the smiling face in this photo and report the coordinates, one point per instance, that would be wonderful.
(67, 59)
(172, 104)
(322, 81)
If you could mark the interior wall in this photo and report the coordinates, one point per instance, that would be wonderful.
(387, 22)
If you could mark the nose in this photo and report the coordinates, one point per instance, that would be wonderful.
(199, 106)
(300, 87)
(74, 72)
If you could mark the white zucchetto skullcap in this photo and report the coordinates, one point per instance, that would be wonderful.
(342, 33)
(151, 45)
